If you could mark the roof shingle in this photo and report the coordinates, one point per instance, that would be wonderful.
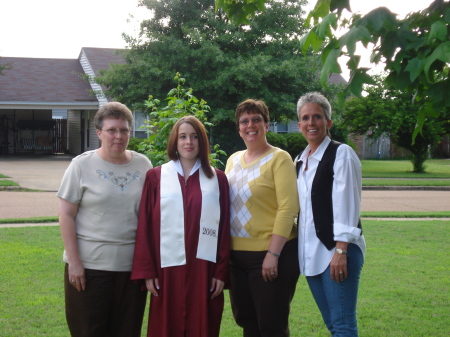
(43, 80)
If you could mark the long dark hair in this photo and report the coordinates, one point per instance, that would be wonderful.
(203, 143)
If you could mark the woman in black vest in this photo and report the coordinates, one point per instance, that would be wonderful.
(331, 244)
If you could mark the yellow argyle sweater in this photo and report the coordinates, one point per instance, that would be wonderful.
(264, 199)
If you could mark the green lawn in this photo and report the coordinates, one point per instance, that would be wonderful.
(436, 168)
(39, 219)
(404, 285)
(363, 214)
(385, 214)
(5, 182)
(3, 176)
(405, 182)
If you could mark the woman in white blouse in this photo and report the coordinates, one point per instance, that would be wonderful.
(331, 244)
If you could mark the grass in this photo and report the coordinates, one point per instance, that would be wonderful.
(405, 182)
(39, 219)
(436, 168)
(3, 176)
(444, 214)
(404, 280)
(385, 214)
(5, 182)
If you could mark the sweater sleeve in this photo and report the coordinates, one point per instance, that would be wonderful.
(286, 194)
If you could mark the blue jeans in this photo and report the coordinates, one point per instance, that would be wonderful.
(337, 301)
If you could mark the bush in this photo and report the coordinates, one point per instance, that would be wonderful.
(134, 143)
(225, 134)
(180, 102)
(296, 143)
(276, 139)
(339, 132)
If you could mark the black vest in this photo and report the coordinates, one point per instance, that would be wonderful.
(321, 196)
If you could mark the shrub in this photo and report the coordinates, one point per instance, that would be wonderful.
(180, 102)
(225, 134)
(276, 139)
(134, 143)
(296, 143)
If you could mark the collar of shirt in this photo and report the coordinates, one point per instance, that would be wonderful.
(177, 166)
(318, 154)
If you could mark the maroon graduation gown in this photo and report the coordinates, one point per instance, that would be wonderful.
(183, 306)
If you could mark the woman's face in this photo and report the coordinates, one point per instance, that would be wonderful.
(114, 135)
(313, 123)
(187, 144)
(252, 128)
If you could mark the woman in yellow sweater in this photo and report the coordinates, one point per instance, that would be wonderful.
(264, 205)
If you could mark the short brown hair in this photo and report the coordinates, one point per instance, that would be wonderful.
(203, 143)
(252, 106)
(113, 110)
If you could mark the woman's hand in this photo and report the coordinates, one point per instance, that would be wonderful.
(76, 275)
(338, 265)
(270, 267)
(152, 285)
(270, 263)
(216, 287)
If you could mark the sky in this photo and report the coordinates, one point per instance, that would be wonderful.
(60, 28)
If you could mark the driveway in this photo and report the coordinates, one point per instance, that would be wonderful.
(42, 172)
(45, 173)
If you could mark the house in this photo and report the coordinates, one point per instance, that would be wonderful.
(46, 106)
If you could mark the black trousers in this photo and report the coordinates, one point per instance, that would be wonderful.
(111, 306)
(262, 308)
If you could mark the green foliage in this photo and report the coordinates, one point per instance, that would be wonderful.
(276, 139)
(295, 143)
(180, 102)
(240, 11)
(134, 143)
(392, 112)
(225, 63)
(415, 51)
(224, 133)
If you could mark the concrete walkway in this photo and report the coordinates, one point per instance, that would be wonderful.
(45, 173)
(40, 172)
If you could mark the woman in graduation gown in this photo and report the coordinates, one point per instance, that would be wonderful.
(183, 237)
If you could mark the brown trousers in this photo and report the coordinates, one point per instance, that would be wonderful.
(111, 305)
(262, 308)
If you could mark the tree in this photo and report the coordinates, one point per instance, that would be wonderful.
(225, 63)
(415, 51)
(389, 111)
(180, 102)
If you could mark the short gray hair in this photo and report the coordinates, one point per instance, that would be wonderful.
(113, 110)
(317, 98)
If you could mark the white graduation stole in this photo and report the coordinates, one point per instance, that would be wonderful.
(173, 252)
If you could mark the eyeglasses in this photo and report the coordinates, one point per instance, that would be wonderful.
(113, 132)
(255, 120)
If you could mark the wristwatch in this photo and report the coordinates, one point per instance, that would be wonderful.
(341, 251)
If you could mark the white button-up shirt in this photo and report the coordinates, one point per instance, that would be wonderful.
(314, 257)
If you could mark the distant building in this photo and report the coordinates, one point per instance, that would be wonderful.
(47, 107)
